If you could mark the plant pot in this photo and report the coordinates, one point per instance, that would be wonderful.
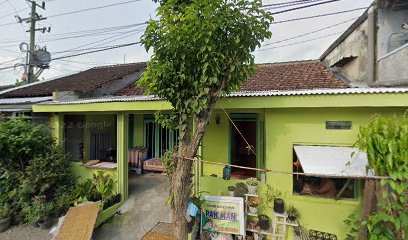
(252, 189)
(264, 222)
(58, 212)
(17, 219)
(279, 205)
(292, 217)
(253, 210)
(231, 193)
(5, 224)
(47, 224)
(253, 224)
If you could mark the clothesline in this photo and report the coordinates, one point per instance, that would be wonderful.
(288, 173)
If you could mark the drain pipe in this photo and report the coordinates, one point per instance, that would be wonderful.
(371, 56)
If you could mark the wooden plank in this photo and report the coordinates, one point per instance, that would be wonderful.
(161, 231)
(79, 223)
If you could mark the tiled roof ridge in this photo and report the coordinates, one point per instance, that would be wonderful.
(306, 61)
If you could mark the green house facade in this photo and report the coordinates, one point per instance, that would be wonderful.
(271, 116)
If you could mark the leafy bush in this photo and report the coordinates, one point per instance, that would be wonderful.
(240, 189)
(21, 141)
(47, 173)
(35, 176)
(100, 188)
(385, 140)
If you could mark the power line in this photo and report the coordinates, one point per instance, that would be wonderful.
(320, 15)
(305, 34)
(79, 11)
(95, 51)
(97, 33)
(115, 38)
(289, 4)
(12, 60)
(286, 3)
(302, 7)
(84, 62)
(295, 43)
(94, 8)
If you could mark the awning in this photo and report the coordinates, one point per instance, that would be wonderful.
(332, 161)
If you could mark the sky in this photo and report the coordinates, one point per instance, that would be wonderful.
(294, 40)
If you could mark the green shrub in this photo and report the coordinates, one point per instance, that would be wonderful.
(100, 188)
(47, 173)
(21, 141)
(240, 189)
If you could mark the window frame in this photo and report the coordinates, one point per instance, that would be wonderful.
(171, 139)
(356, 182)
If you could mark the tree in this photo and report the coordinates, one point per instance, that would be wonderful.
(201, 50)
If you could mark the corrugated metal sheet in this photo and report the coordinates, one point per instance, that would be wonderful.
(28, 100)
(246, 94)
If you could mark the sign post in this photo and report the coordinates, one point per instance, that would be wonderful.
(223, 215)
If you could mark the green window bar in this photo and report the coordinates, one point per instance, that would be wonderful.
(158, 139)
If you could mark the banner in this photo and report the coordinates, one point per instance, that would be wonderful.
(223, 215)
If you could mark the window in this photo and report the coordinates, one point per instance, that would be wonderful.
(338, 125)
(240, 153)
(320, 186)
(158, 139)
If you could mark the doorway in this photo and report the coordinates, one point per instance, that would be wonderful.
(240, 153)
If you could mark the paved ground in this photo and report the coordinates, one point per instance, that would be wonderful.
(144, 208)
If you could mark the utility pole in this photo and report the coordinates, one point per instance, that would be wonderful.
(33, 20)
(32, 52)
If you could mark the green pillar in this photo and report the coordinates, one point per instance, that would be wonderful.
(122, 153)
(57, 128)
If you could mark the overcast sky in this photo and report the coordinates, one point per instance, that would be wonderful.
(138, 12)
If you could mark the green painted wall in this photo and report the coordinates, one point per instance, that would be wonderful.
(87, 173)
(283, 129)
(138, 130)
(217, 140)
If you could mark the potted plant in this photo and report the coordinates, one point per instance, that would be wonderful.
(252, 184)
(253, 204)
(43, 210)
(240, 189)
(293, 213)
(231, 190)
(5, 219)
(264, 222)
(253, 222)
(276, 197)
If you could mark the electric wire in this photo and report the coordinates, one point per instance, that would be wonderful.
(308, 33)
(287, 3)
(85, 33)
(95, 51)
(320, 15)
(303, 7)
(93, 8)
(296, 43)
(105, 40)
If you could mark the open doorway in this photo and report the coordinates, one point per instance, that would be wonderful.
(240, 153)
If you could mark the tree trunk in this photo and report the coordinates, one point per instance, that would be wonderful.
(369, 205)
(181, 179)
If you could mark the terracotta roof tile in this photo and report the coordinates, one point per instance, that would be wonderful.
(277, 76)
(79, 82)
